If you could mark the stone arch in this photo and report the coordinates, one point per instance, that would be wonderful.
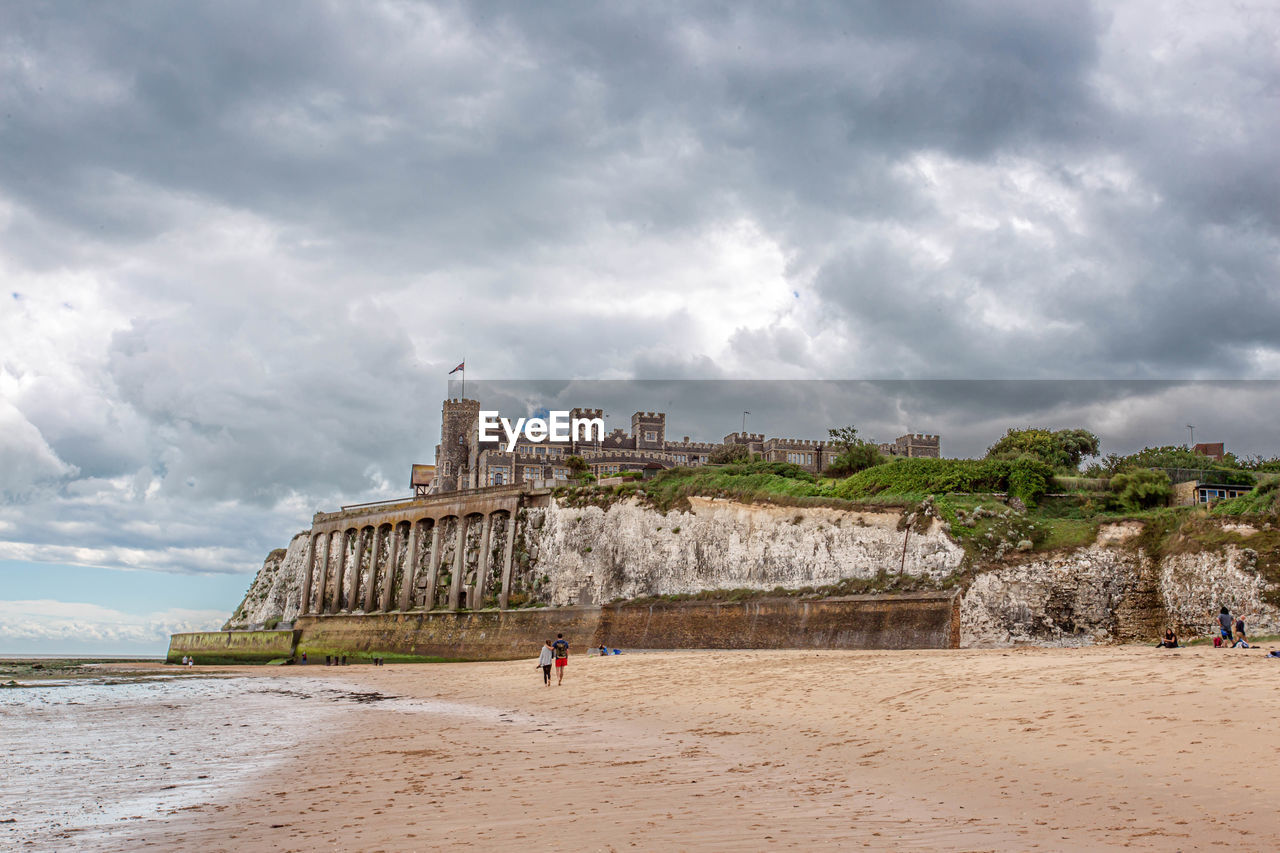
(333, 563)
(380, 565)
(309, 582)
(423, 555)
(401, 567)
(472, 543)
(363, 568)
(444, 568)
(350, 565)
(493, 560)
(393, 574)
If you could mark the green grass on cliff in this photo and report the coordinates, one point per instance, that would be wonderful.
(965, 495)
(1263, 500)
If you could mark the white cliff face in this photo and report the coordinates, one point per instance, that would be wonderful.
(1066, 600)
(1196, 585)
(591, 555)
(1105, 592)
(276, 592)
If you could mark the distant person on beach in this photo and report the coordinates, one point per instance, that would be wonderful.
(546, 656)
(1224, 624)
(304, 658)
(1170, 640)
(561, 650)
(603, 651)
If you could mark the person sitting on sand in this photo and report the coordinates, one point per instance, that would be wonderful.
(1170, 640)
(545, 658)
(1240, 637)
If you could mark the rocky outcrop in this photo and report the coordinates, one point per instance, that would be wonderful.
(1067, 599)
(276, 592)
(1194, 585)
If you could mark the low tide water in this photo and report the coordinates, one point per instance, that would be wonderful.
(83, 756)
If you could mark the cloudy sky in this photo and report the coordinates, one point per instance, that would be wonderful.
(242, 244)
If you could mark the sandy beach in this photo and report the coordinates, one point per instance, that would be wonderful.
(931, 750)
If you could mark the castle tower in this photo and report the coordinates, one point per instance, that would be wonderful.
(584, 414)
(649, 429)
(458, 424)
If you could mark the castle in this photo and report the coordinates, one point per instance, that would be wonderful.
(463, 463)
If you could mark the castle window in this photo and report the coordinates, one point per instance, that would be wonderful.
(650, 435)
(498, 475)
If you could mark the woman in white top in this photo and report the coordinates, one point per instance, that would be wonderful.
(544, 660)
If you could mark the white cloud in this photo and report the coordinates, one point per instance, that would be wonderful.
(240, 284)
(49, 620)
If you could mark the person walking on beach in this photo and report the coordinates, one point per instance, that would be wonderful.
(545, 658)
(560, 648)
(1224, 625)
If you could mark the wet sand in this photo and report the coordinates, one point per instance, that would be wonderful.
(959, 750)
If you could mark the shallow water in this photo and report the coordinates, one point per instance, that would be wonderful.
(82, 756)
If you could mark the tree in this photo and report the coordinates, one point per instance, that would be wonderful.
(1065, 448)
(578, 468)
(1229, 470)
(727, 454)
(852, 453)
(1142, 489)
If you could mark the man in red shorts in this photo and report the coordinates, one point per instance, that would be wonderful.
(560, 649)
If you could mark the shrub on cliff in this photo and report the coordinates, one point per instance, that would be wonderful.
(1263, 500)
(1228, 471)
(853, 454)
(1023, 478)
(726, 454)
(1063, 449)
(1142, 489)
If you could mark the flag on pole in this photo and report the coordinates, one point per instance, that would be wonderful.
(462, 365)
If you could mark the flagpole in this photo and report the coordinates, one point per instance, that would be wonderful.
(464, 377)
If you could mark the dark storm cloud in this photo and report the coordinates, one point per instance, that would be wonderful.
(250, 240)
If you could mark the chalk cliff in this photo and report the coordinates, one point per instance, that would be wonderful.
(1110, 590)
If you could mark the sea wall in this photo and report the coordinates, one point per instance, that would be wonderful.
(911, 621)
(478, 635)
(225, 647)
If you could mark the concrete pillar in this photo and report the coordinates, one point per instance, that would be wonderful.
(363, 559)
(324, 571)
(432, 564)
(410, 567)
(459, 563)
(507, 557)
(338, 554)
(482, 565)
(389, 570)
(305, 606)
(342, 573)
(374, 555)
